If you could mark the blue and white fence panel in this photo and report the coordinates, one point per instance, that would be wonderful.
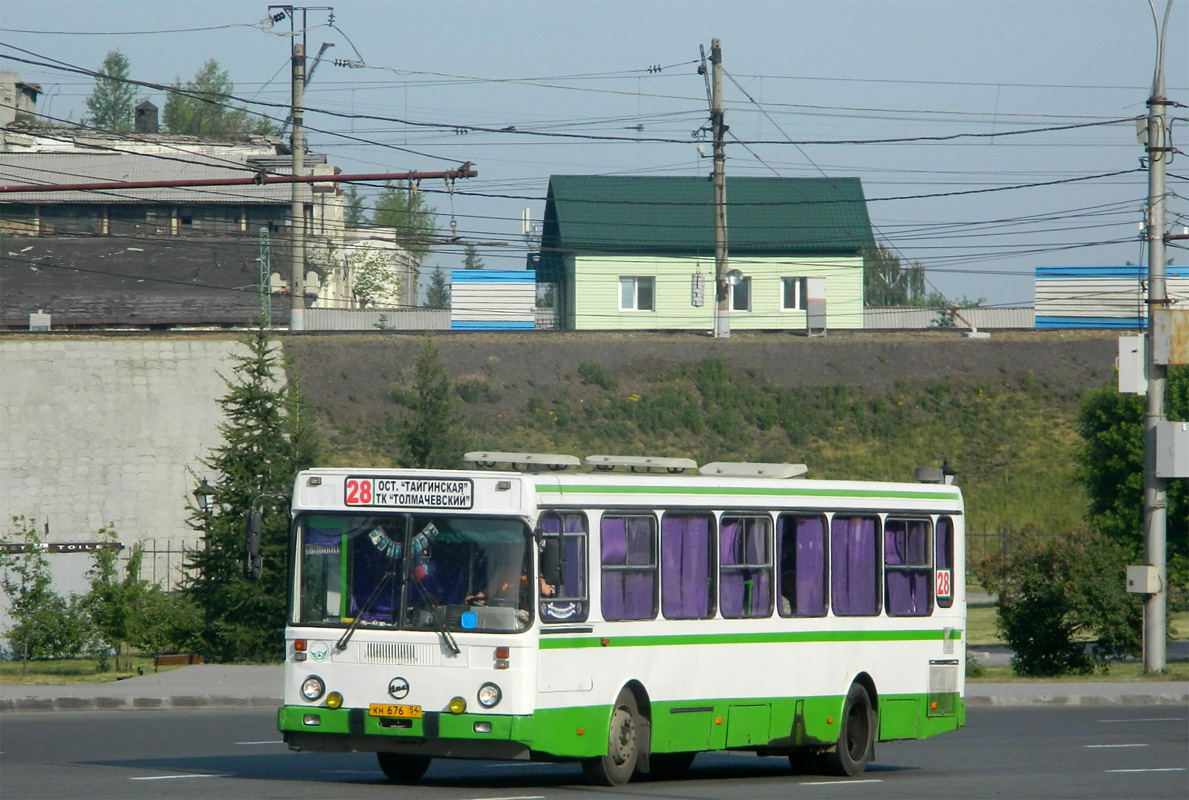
(492, 300)
(1102, 297)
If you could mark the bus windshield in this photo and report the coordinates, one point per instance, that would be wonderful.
(413, 572)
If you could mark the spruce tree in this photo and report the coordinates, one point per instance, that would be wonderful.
(266, 440)
(111, 104)
(430, 433)
(438, 294)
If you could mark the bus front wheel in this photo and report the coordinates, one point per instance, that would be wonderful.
(623, 745)
(401, 768)
(856, 740)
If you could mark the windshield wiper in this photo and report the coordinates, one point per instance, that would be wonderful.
(367, 606)
(433, 607)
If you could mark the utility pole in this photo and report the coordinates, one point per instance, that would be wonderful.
(1156, 488)
(722, 307)
(297, 210)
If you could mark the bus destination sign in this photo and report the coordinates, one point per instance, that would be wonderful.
(443, 493)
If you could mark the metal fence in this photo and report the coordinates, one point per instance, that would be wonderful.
(999, 542)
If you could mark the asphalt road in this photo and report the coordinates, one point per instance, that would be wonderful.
(1019, 752)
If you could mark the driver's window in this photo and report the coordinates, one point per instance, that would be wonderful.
(562, 581)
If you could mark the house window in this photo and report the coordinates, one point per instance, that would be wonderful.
(637, 294)
(793, 294)
(741, 295)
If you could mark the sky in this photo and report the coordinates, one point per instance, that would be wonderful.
(1013, 141)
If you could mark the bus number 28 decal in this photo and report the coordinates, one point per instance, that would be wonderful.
(945, 585)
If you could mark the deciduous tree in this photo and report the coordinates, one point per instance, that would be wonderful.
(44, 623)
(115, 602)
(202, 107)
(400, 205)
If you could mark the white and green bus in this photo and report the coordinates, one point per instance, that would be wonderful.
(628, 614)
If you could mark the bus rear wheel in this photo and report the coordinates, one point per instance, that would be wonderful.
(623, 745)
(856, 740)
(402, 768)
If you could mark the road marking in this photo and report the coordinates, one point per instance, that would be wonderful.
(178, 777)
(839, 783)
(1149, 719)
(1091, 746)
(1153, 769)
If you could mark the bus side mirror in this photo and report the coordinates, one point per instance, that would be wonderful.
(252, 564)
(551, 561)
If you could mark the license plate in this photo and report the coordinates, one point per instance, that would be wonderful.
(388, 710)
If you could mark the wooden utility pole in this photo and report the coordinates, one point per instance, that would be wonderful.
(722, 307)
(297, 302)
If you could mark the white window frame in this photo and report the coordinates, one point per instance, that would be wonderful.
(800, 289)
(744, 281)
(635, 284)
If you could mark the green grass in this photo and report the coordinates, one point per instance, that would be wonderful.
(1127, 671)
(980, 625)
(69, 671)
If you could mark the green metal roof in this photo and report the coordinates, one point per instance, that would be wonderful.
(675, 216)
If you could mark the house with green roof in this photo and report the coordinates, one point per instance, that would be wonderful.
(637, 253)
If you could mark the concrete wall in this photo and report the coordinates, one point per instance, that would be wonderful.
(106, 430)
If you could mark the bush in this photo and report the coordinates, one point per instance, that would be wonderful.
(595, 374)
(1063, 604)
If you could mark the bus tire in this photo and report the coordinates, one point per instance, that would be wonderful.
(623, 745)
(669, 766)
(402, 768)
(856, 740)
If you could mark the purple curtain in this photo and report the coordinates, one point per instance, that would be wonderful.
(628, 593)
(802, 547)
(906, 554)
(746, 582)
(854, 566)
(686, 588)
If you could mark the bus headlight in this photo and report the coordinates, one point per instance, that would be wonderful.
(457, 705)
(490, 695)
(334, 700)
(312, 688)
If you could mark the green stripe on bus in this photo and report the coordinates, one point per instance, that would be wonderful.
(745, 491)
(748, 638)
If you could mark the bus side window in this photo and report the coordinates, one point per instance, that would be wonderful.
(628, 546)
(907, 574)
(687, 565)
(566, 601)
(854, 565)
(944, 560)
(801, 548)
(745, 553)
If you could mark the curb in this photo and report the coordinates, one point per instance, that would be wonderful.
(987, 701)
(33, 704)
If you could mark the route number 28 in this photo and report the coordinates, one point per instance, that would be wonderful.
(945, 585)
(359, 492)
